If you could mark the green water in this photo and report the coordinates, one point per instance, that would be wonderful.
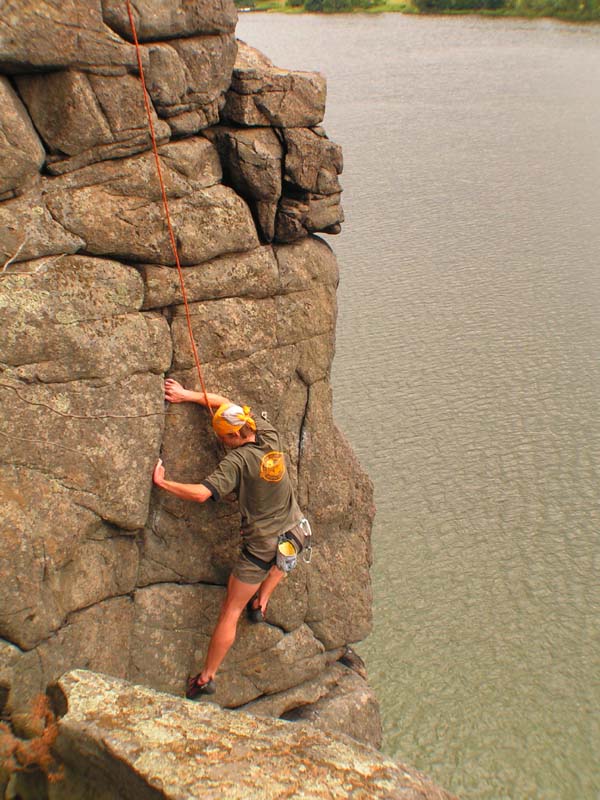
(469, 334)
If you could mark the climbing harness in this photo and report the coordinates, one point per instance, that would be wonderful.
(258, 562)
(166, 204)
(289, 546)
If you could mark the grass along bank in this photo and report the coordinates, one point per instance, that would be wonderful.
(569, 10)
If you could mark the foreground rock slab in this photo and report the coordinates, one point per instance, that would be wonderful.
(129, 743)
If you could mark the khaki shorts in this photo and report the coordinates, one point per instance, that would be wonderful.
(265, 548)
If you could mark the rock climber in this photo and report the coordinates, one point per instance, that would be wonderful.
(254, 469)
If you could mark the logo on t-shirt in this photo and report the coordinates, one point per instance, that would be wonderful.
(272, 466)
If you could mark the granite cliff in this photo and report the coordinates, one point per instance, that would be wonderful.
(98, 571)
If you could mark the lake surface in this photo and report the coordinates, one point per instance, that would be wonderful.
(467, 377)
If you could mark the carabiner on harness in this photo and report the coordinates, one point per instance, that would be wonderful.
(307, 549)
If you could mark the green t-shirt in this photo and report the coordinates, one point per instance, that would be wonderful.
(258, 474)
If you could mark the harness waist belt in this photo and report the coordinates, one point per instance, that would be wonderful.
(266, 565)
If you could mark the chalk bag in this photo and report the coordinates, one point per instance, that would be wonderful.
(287, 553)
(291, 543)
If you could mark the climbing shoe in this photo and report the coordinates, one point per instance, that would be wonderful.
(254, 614)
(195, 689)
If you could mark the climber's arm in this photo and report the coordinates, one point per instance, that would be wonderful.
(176, 393)
(186, 491)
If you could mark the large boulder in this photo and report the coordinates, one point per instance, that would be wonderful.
(77, 317)
(350, 706)
(288, 176)
(95, 439)
(251, 274)
(306, 212)
(209, 223)
(126, 742)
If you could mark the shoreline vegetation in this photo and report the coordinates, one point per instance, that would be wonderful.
(566, 10)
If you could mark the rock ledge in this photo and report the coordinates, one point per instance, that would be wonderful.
(127, 742)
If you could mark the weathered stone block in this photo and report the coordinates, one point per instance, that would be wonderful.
(196, 546)
(275, 705)
(168, 620)
(190, 74)
(253, 274)
(314, 358)
(27, 230)
(57, 557)
(312, 161)
(88, 117)
(96, 638)
(342, 509)
(252, 163)
(208, 223)
(304, 263)
(303, 315)
(262, 94)
(304, 213)
(75, 317)
(266, 660)
(45, 34)
(21, 151)
(97, 438)
(337, 700)
(155, 19)
(191, 122)
(349, 706)
(173, 625)
(231, 328)
(186, 166)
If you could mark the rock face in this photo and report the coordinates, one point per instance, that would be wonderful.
(97, 570)
(143, 745)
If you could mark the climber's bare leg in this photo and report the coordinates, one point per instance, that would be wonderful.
(236, 599)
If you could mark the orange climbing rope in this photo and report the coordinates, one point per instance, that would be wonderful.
(166, 203)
